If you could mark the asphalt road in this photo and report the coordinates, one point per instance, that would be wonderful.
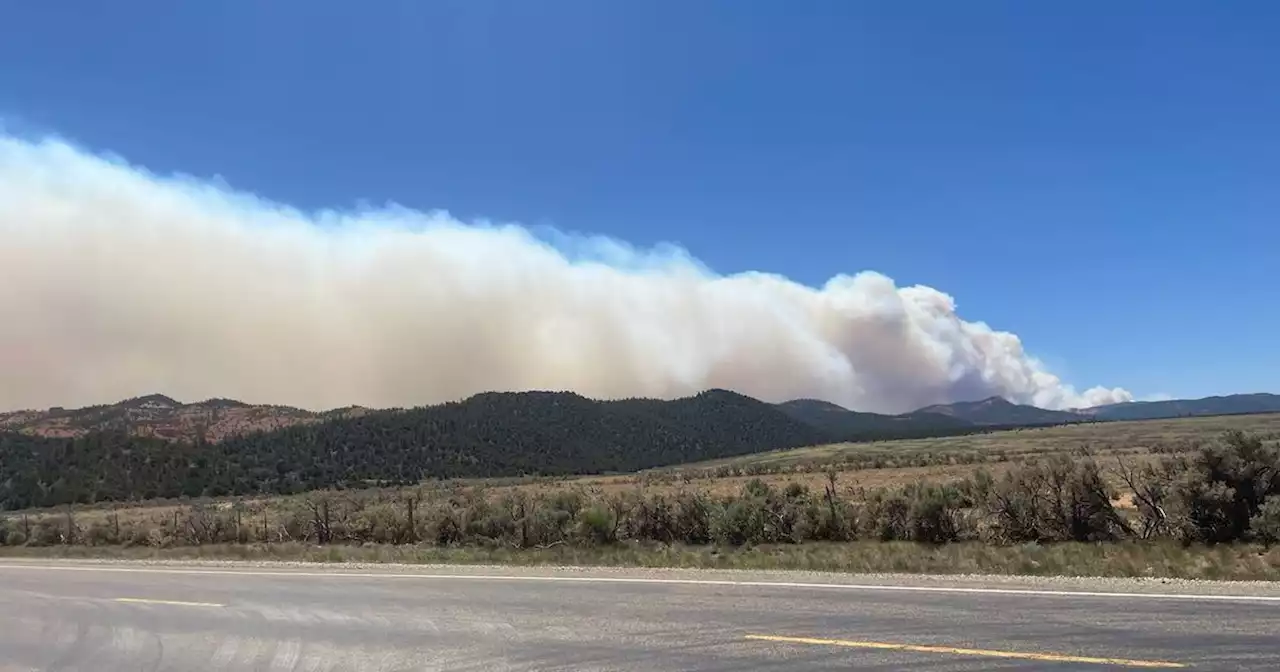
(119, 616)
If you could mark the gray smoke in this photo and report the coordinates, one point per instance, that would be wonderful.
(115, 282)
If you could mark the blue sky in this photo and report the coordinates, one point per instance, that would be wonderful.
(1099, 178)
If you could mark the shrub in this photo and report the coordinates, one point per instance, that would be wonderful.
(1224, 491)
(484, 522)
(568, 501)
(834, 519)
(547, 524)
(1054, 500)
(599, 525)
(653, 518)
(1150, 487)
(48, 532)
(11, 533)
(444, 525)
(101, 533)
(935, 515)
(889, 515)
(693, 513)
(741, 521)
(1266, 525)
(377, 523)
(1220, 490)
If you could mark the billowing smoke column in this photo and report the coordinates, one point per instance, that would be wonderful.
(115, 282)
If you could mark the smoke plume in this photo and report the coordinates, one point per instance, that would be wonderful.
(115, 282)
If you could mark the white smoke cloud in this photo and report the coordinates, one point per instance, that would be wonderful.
(115, 282)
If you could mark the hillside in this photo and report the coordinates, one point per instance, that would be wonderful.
(492, 434)
(217, 420)
(842, 423)
(1174, 408)
(1000, 411)
(161, 417)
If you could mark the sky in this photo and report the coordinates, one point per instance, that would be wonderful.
(1099, 179)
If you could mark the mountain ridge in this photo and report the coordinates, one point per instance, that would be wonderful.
(847, 424)
(1230, 404)
(219, 419)
(160, 416)
(487, 435)
(997, 410)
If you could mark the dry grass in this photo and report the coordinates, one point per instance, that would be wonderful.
(949, 458)
(723, 485)
(1104, 437)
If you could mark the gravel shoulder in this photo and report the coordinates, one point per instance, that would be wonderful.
(1166, 586)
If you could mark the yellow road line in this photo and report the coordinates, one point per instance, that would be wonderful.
(175, 603)
(1044, 657)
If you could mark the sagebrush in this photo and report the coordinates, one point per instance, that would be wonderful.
(1222, 492)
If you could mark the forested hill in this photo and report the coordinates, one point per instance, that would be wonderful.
(493, 434)
(214, 420)
(844, 424)
(1001, 411)
(113, 454)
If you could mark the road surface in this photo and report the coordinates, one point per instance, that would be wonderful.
(131, 616)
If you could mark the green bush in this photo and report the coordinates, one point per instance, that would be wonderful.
(936, 514)
(741, 521)
(1266, 525)
(1221, 489)
(889, 515)
(599, 525)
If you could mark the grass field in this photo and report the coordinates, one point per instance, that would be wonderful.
(1103, 437)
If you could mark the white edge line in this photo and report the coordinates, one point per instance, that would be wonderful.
(171, 603)
(651, 581)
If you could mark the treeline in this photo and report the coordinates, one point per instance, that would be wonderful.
(1225, 492)
(488, 435)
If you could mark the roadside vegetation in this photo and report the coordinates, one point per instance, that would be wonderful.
(1197, 509)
